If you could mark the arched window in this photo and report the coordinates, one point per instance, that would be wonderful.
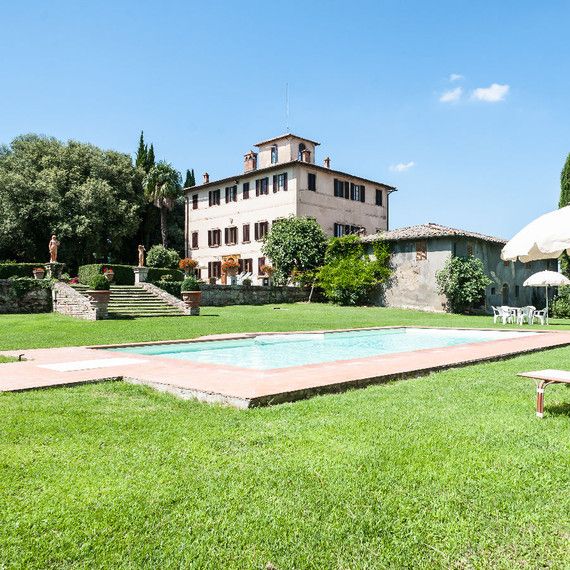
(505, 292)
(302, 147)
(274, 154)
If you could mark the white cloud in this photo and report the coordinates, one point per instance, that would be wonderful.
(455, 77)
(402, 166)
(492, 94)
(451, 95)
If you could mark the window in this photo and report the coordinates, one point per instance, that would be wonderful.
(246, 265)
(346, 229)
(194, 240)
(312, 181)
(215, 269)
(231, 194)
(260, 264)
(469, 249)
(261, 186)
(516, 291)
(214, 197)
(379, 197)
(245, 234)
(280, 182)
(357, 192)
(302, 147)
(194, 201)
(245, 190)
(230, 236)
(341, 189)
(493, 290)
(421, 250)
(274, 154)
(214, 238)
(261, 229)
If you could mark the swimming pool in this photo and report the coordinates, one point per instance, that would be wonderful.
(270, 351)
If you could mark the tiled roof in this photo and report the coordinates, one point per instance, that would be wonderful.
(287, 135)
(429, 230)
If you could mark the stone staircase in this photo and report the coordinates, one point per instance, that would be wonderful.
(130, 301)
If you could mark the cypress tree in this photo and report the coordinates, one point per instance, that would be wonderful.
(189, 181)
(142, 152)
(565, 201)
(150, 160)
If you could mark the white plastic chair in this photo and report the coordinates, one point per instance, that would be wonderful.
(526, 313)
(540, 315)
(503, 313)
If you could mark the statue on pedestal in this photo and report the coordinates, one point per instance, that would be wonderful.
(141, 255)
(53, 245)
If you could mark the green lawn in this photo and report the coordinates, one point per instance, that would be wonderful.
(451, 470)
(447, 471)
(7, 359)
(46, 330)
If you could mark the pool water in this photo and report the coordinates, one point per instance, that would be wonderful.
(265, 352)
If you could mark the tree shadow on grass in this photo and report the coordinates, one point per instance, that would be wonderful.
(559, 409)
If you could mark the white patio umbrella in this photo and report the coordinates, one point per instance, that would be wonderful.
(546, 279)
(547, 237)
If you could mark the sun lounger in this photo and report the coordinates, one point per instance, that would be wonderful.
(546, 377)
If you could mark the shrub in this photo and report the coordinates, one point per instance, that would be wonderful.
(349, 275)
(172, 287)
(23, 285)
(166, 277)
(13, 269)
(190, 284)
(156, 274)
(246, 282)
(124, 274)
(463, 282)
(99, 283)
(160, 256)
(561, 303)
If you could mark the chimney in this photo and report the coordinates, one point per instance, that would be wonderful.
(305, 155)
(327, 162)
(206, 178)
(250, 161)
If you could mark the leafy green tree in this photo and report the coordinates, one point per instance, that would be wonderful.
(150, 159)
(142, 154)
(160, 256)
(350, 276)
(190, 180)
(80, 192)
(565, 201)
(162, 186)
(294, 245)
(463, 282)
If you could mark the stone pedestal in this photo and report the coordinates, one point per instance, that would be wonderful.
(99, 301)
(53, 270)
(141, 273)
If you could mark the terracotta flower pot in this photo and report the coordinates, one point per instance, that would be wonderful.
(39, 274)
(99, 296)
(192, 298)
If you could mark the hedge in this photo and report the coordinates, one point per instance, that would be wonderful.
(124, 274)
(172, 287)
(12, 269)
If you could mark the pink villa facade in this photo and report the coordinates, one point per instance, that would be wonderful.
(231, 216)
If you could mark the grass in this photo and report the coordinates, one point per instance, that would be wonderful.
(51, 330)
(7, 359)
(451, 470)
(447, 471)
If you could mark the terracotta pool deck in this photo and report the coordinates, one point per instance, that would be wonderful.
(244, 388)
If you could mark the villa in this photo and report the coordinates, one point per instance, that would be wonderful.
(419, 252)
(228, 218)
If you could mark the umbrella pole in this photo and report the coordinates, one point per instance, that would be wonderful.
(547, 304)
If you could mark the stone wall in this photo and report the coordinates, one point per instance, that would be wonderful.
(68, 301)
(222, 295)
(34, 301)
(166, 297)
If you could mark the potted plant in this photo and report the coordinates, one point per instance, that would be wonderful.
(187, 265)
(230, 266)
(109, 274)
(246, 282)
(99, 289)
(39, 272)
(266, 270)
(212, 280)
(191, 294)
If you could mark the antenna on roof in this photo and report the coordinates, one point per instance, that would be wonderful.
(286, 107)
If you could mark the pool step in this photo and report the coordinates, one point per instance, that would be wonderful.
(132, 301)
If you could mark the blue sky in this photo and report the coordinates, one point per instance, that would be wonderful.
(207, 80)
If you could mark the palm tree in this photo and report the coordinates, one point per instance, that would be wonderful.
(162, 185)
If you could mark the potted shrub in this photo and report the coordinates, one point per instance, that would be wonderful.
(230, 266)
(191, 294)
(212, 280)
(109, 274)
(39, 272)
(266, 270)
(99, 289)
(246, 282)
(187, 265)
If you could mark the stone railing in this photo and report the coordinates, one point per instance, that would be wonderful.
(222, 295)
(32, 301)
(68, 301)
(165, 296)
